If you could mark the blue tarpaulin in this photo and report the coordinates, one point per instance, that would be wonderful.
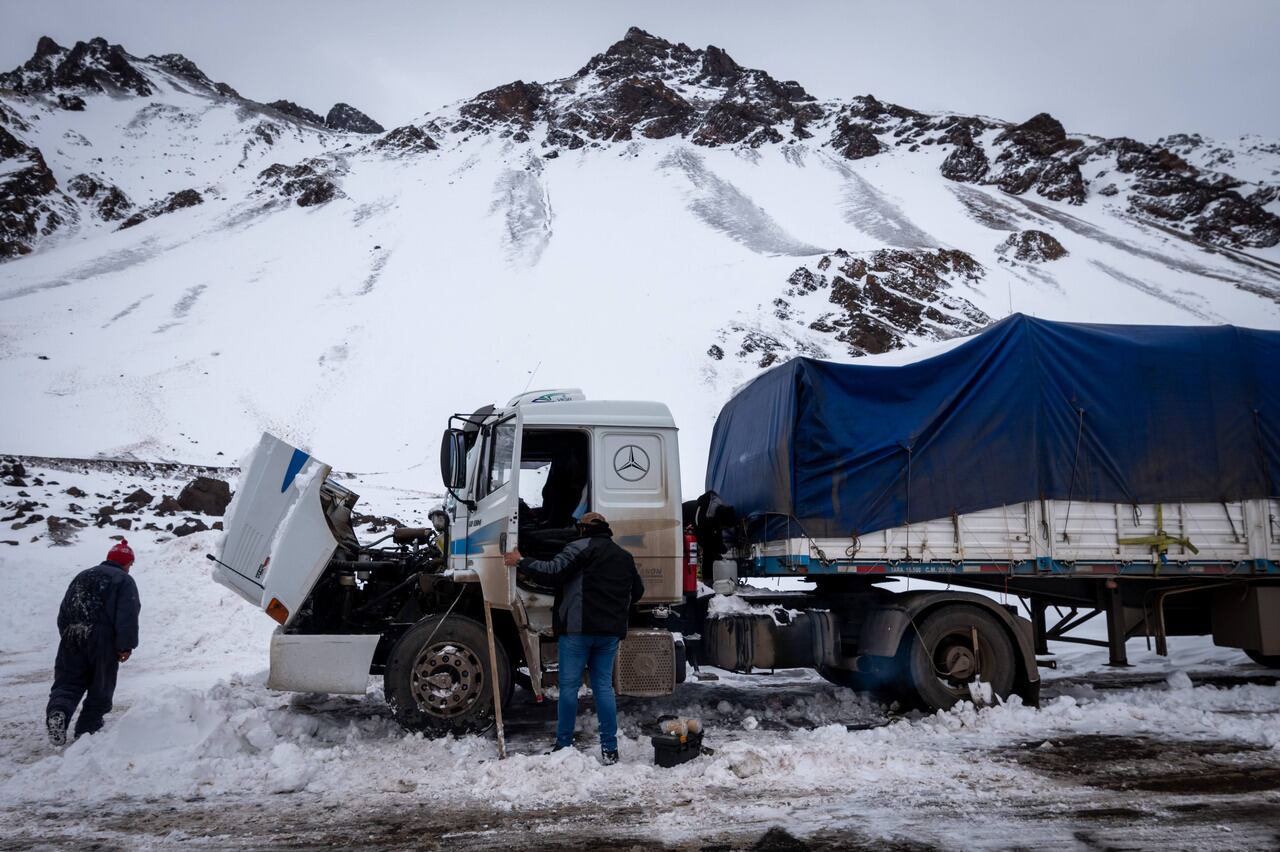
(1027, 409)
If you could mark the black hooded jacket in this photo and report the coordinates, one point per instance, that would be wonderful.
(101, 607)
(595, 582)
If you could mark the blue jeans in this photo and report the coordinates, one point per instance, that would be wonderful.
(579, 651)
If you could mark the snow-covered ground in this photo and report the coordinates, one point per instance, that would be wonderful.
(1175, 753)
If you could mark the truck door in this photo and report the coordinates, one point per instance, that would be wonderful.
(637, 487)
(493, 527)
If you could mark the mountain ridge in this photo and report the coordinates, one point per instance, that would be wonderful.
(692, 220)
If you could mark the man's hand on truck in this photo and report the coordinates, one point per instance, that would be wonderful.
(511, 557)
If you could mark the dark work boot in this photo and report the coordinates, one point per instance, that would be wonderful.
(56, 724)
(608, 758)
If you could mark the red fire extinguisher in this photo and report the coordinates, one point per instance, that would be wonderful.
(690, 561)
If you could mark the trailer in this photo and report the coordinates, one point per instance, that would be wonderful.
(1122, 472)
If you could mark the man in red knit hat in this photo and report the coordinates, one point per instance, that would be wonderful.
(98, 621)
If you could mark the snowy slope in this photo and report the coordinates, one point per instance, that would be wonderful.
(635, 229)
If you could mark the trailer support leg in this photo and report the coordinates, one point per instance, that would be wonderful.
(1041, 634)
(1116, 633)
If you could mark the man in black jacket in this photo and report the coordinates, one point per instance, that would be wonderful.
(596, 583)
(98, 621)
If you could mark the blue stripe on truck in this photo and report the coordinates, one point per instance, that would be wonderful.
(295, 466)
(478, 538)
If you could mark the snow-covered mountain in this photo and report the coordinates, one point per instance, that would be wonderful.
(183, 267)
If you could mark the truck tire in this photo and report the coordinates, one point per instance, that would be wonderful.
(438, 679)
(938, 657)
(1270, 661)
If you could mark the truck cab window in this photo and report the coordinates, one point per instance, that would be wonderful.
(501, 456)
(553, 478)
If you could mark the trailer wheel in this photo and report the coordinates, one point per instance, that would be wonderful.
(1270, 661)
(940, 660)
(438, 679)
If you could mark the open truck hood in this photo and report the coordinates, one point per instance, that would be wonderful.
(276, 541)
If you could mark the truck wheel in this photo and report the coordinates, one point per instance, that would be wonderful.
(1270, 661)
(438, 679)
(940, 661)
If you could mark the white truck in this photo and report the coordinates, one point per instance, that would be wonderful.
(1125, 471)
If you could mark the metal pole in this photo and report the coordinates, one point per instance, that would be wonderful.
(1116, 633)
(497, 690)
(1038, 626)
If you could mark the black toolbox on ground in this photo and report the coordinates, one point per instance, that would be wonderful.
(674, 749)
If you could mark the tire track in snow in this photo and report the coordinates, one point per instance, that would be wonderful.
(870, 211)
(525, 206)
(1157, 293)
(183, 306)
(990, 212)
(116, 261)
(1248, 277)
(727, 209)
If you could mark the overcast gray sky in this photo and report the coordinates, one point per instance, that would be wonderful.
(1130, 67)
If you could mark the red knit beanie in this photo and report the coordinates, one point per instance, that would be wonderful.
(121, 554)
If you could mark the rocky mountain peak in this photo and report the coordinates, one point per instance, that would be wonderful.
(293, 110)
(1042, 135)
(46, 47)
(180, 65)
(639, 52)
(647, 86)
(716, 64)
(90, 66)
(345, 117)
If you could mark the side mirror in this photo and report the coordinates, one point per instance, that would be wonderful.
(453, 459)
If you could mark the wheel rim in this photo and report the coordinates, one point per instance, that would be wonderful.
(447, 680)
(955, 661)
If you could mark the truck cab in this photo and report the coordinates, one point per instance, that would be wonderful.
(415, 606)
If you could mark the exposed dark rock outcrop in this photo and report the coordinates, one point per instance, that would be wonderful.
(71, 103)
(63, 531)
(174, 201)
(108, 201)
(894, 293)
(293, 110)
(346, 118)
(408, 139)
(855, 140)
(205, 494)
(309, 183)
(176, 63)
(875, 302)
(1032, 247)
(1168, 188)
(92, 66)
(515, 103)
(29, 197)
(641, 53)
(633, 105)
(1033, 158)
(189, 526)
(967, 162)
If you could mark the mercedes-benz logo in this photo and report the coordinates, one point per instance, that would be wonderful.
(631, 463)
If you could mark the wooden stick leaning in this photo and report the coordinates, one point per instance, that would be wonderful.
(497, 684)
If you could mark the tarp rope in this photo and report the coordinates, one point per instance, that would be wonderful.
(1074, 462)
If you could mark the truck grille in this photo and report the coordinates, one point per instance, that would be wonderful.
(646, 666)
